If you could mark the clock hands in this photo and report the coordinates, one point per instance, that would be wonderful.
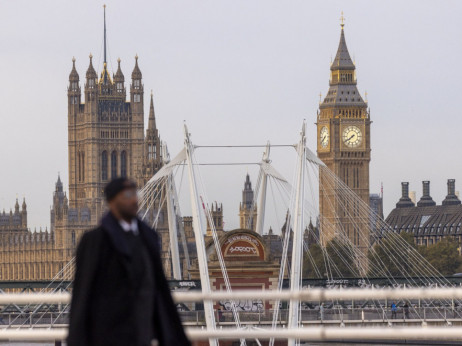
(351, 137)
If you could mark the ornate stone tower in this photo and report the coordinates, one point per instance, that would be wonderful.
(247, 211)
(105, 134)
(152, 147)
(343, 127)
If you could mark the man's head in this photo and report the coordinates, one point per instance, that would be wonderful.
(121, 198)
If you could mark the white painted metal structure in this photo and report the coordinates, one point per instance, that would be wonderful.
(308, 334)
(302, 333)
(172, 219)
(307, 295)
(199, 232)
(297, 240)
(262, 201)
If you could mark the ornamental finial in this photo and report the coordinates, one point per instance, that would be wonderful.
(342, 21)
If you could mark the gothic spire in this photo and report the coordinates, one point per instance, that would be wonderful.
(104, 6)
(136, 74)
(342, 59)
(342, 85)
(91, 73)
(152, 115)
(16, 207)
(73, 76)
(119, 76)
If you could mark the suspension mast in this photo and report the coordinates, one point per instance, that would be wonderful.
(199, 231)
(262, 201)
(172, 219)
(298, 215)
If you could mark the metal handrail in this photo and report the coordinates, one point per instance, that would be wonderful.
(312, 294)
(307, 333)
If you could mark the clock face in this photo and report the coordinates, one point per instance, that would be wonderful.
(352, 136)
(324, 137)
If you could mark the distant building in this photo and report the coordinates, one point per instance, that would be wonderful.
(427, 221)
(247, 208)
(14, 221)
(376, 205)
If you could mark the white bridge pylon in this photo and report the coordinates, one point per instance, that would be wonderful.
(161, 189)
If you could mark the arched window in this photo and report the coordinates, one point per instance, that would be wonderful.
(79, 166)
(104, 165)
(123, 163)
(113, 165)
(83, 166)
(73, 238)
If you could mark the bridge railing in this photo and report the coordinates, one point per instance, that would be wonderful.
(304, 332)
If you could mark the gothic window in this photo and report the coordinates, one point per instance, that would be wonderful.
(154, 151)
(137, 98)
(83, 166)
(120, 87)
(113, 165)
(73, 238)
(91, 83)
(123, 163)
(79, 165)
(104, 166)
(136, 83)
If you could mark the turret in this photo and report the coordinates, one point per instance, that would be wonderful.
(247, 194)
(119, 80)
(24, 213)
(152, 138)
(136, 89)
(152, 117)
(90, 85)
(16, 207)
(73, 90)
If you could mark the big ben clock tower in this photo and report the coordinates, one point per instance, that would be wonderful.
(343, 130)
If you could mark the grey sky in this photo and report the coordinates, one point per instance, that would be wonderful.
(237, 72)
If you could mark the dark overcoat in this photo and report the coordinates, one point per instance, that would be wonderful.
(102, 297)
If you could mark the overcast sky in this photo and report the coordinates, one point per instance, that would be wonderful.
(237, 72)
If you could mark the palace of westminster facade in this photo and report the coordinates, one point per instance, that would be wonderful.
(107, 138)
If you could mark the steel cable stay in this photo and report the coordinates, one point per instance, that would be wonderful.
(397, 262)
(300, 202)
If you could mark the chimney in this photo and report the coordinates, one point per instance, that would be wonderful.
(426, 200)
(451, 198)
(405, 201)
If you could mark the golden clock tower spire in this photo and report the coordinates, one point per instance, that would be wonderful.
(343, 125)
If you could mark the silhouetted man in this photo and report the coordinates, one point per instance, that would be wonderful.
(120, 293)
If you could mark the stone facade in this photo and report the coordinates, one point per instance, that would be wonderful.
(25, 254)
(106, 139)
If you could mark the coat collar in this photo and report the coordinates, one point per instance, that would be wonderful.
(112, 227)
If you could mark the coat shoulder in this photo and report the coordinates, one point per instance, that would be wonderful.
(90, 239)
